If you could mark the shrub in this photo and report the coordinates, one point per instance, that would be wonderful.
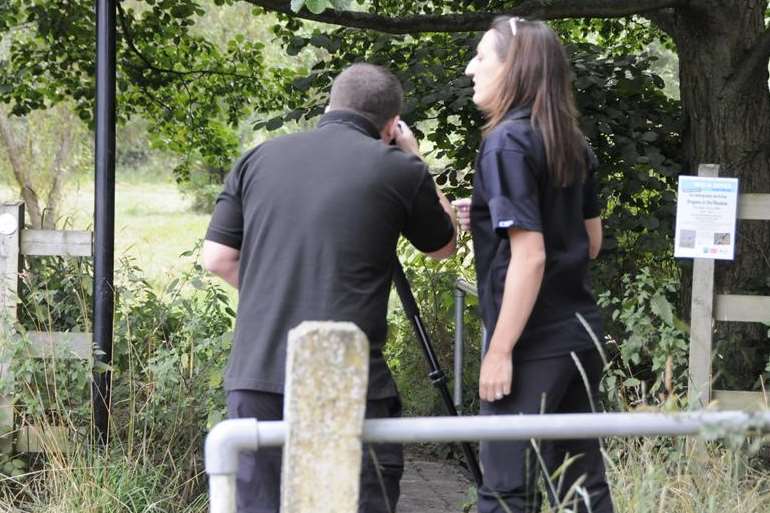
(653, 342)
(169, 352)
(432, 283)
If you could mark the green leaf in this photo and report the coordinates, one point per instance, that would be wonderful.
(316, 6)
(182, 11)
(662, 308)
(296, 5)
(303, 83)
(275, 123)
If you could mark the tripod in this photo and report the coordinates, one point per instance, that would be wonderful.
(436, 375)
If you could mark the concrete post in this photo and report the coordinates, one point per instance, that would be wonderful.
(324, 406)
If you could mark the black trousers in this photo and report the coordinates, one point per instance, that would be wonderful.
(258, 487)
(512, 468)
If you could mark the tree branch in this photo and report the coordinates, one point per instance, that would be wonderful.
(129, 38)
(664, 19)
(757, 58)
(474, 21)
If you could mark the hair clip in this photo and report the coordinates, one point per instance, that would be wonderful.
(513, 21)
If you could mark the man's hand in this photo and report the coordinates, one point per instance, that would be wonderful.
(463, 209)
(496, 375)
(404, 138)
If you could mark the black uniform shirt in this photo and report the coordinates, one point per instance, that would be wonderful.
(316, 217)
(512, 189)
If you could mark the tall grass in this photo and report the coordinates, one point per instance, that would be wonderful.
(168, 357)
(656, 476)
(73, 479)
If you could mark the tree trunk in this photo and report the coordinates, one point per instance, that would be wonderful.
(726, 103)
(20, 167)
(728, 123)
(59, 172)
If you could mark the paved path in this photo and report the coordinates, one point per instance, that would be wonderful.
(433, 487)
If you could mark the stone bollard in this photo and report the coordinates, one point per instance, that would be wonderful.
(324, 405)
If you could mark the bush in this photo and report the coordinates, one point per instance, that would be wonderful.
(653, 341)
(169, 354)
(202, 189)
(432, 283)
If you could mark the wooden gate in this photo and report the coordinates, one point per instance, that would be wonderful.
(707, 308)
(16, 242)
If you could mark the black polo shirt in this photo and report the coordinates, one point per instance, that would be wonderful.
(512, 189)
(316, 217)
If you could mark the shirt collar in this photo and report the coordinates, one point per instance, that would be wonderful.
(519, 113)
(352, 119)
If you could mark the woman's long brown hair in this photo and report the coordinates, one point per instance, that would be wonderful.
(536, 74)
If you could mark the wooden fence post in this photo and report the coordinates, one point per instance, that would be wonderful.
(11, 223)
(325, 401)
(701, 321)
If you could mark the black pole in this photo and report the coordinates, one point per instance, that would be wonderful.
(436, 375)
(104, 212)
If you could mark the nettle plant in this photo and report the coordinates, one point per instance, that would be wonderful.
(652, 354)
(169, 350)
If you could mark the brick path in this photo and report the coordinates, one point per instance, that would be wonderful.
(434, 487)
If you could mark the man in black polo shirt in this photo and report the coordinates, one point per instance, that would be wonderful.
(306, 229)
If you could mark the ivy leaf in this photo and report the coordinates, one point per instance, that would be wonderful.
(296, 5)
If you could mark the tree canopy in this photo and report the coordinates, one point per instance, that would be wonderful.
(194, 90)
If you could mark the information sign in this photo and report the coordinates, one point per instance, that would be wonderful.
(705, 217)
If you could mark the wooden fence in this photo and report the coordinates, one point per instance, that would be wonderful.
(15, 243)
(707, 308)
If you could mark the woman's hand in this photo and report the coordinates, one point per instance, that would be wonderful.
(496, 376)
(463, 208)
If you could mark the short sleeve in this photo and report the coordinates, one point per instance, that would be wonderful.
(428, 227)
(511, 189)
(226, 225)
(591, 206)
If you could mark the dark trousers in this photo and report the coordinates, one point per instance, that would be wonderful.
(258, 485)
(512, 468)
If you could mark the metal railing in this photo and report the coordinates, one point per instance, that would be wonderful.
(228, 438)
(462, 288)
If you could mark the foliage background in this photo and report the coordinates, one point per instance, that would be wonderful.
(198, 83)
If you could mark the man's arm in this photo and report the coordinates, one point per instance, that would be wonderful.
(522, 285)
(451, 246)
(404, 138)
(594, 230)
(221, 260)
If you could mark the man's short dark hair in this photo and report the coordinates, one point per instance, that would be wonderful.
(369, 90)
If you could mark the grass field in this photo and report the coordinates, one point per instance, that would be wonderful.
(153, 223)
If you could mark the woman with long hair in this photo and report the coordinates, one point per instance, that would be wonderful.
(534, 218)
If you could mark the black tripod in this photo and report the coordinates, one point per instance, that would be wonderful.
(436, 375)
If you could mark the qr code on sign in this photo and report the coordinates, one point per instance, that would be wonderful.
(686, 238)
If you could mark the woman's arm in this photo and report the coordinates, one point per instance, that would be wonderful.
(522, 285)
